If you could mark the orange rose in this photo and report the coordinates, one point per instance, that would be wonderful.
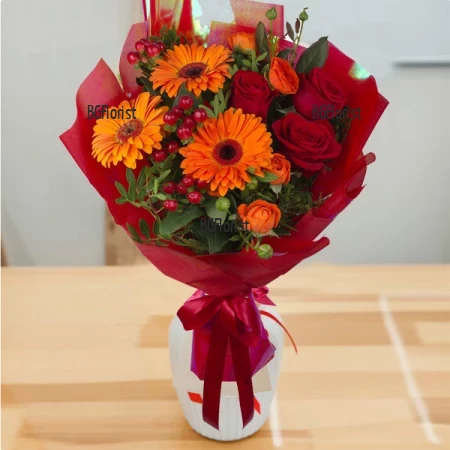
(260, 216)
(282, 76)
(281, 167)
(246, 41)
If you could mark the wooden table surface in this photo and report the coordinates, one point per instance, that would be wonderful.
(85, 363)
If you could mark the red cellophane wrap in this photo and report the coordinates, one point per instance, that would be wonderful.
(224, 315)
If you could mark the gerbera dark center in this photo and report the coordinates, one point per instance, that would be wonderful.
(228, 152)
(192, 70)
(132, 128)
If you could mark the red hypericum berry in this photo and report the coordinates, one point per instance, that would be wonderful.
(172, 146)
(152, 49)
(181, 189)
(184, 133)
(186, 102)
(178, 112)
(170, 188)
(189, 122)
(200, 115)
(159, 155)
(161, 46)
(133, 57)
(188, 181)
(170, 205)
(170, 118)
(194, 197)
(140, 47)
(201, 184)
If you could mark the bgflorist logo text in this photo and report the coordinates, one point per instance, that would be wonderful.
(104, 112)
(214, 225)
(330, 112)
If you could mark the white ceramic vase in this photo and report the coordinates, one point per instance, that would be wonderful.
(190, 388)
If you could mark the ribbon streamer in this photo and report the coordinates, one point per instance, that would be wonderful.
(235, 323)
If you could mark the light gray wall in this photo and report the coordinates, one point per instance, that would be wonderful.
(52, 216)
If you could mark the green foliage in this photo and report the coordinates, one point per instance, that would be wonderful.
(261, 38)
(314, 56)
(285, 54)
(134, 234)
(174, 221)
(169, 37)
(219, 103)
(290, 31)
(268, 177)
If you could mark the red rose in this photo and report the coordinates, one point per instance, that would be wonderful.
(318, 96)
(250, 92)
(307, 144)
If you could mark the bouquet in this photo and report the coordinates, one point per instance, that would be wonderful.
(225, 151)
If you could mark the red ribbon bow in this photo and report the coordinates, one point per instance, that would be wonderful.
(235, 321)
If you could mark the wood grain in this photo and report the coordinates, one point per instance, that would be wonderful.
(85, 363)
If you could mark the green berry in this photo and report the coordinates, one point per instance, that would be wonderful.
(253, 184)
(271, 13)
(303, 15)
(265, 251)
(222, 204)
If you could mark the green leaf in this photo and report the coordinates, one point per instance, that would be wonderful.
(268, 177)
(122, 190)
(285, 54)
(209, 111)
(216, 241)
(213, 212)
(276, 188)
(246, 63)
(131, 184)
(141, 195)
(227, 96)
(164, 175)
(161, 196)
(314, 56)
(261, 38)
(134, 234)
(144, 81)
(174, 220)
(213, 241)
(142, 178)
(235, 238)
(145, 230)
(261, 56)
(280, 231)
(290, 31)
(121, 201)
(265, 69)
(221, 97)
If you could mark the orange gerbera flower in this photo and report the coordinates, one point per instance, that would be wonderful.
(224, 149)
(198, 67)
(117, 138)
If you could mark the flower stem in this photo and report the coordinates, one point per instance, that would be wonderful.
(296, 42)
